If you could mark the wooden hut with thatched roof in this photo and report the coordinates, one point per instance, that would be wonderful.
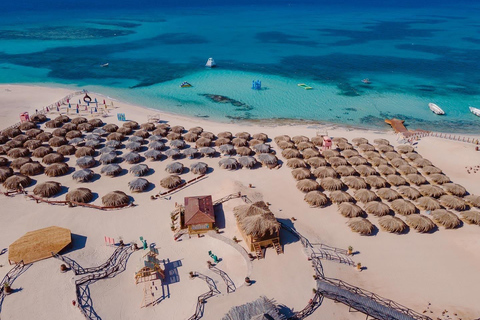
(420, 223)
(392, 224)
(47, 189)
(198, 214)
(361, 225)
(258, 226)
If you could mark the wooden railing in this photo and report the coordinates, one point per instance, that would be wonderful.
(203, 297)
(74, 203)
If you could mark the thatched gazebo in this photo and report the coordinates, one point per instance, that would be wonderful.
(227, 149)
(203, 142)
(359, 141)
(268, 159)
(92, 136)
(115, 136)
(439, 178)
(38, 118)
(228, 163)
(388, 194)
(171, 182)
(416, 179)
(160, 132)
(365, 170)
(247, 162)
(325, 172)
(375, 181)
(174, 167)
(113, 144)
(331, 184)
(301, 173)
(199, 168)
(446, 218)
(357, 160)
(83, 175)
(115, 199)
(84, 151)
(316, 198)
(420, 223)
(243, 135)
(453, 202)
(53, 158)
(407, 169)
(337, 161)
(377, 208)
(428, 203)
(472, 200)
(18, 153)
(397, 162)
(244, 151)
(296, 163)
(225, 134)
(17, 182)
(57, 169)
(291, 153)
(403, 207)
(381, 141)
(138, 185)
(47, 189)
(355, 182)
(307, 185)
(5, 172)
(19, 162)
(455, 189)
(339, 196)
(364, 195)
(361, 225)
(339, 139)
(31, 168)
(207, 151)
(392, 224)
(139, 170)
(431, 191)
(132, 157)
(11, 132)
(471, 217)
(79, 120)
(345, 171)
(386, 170)
(316, 162)
(41, 152)
(409, 192)
(153, 154)
(62, 118)
(350, 210)
(86, 162)
(111, 170)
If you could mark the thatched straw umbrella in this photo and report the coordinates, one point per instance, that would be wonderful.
(17, 182)
(73, 134)
(177, 129)
(27, 125)
(428, 203)
(225, 134)
(239, 142)
(421, 162)
(350, 210)
(324, 172)
(301, 173)
(138, 185)
(431, 191)
(180, 144)
(247, 162)
(57, 141)
(92, 143)
(371, 155)
(115, 136)
(407, 169)
(155, 138)
(208, 135)
(221, 141)
(4, 162)
(83, 175)
(139, 170)
(56, 169)
(47, 189)
(86, 162)
(92, 136)
(366, 147)
(412, 156)
(403, 207)
(32, 144)
(130, 124)
(31, 169)
(378, 161)
(199, 168)
(59, 132)
(32, 133)
(291, 153)
(203, 142)
(99, 132)
(227, 149)
(260, 136)
(86, 127)
(53, 158)
(387, 149)
(136, 139)
(115, 199)
(53, 124)
(453, 202)
(316, 162)
(12, 132)
(472, 200)
(357, 160)
(364, 195)
(156, 145)
(79, 120)
(377, 208)
(359, 141)
(107, 158)
(268, 160)
(361, 225)
(244, 151)
(345, 171)
(228, 163)
(388, 194)
(160, 132)
(18, 152)
(19, 162)
(148, 126)
(285, 144)
(153, 154)
(141, 134)
(307, 185)
(174, 167)
(331, 184)
(365, 170)
(431, 170)
(349, 153)
(471, 217)
(84, 151)
(190, 152)
(133, 146)
(454, 189)
(392, 155)
(355, 182)
(392, 224)
(420, 223)
(190, 137)
(317, 140)
(206, 151)
(397, 162)
(339, 139)
(310, 153)
(339, 196)
(66, 150)
(416, 179)
(439, 178)
(5, 172)
(106, 150)
(111, 127)
(171, 182)
(132, 157)
(14, 144)
(38, 118)
(111, 170)
(174, 136)
(296, 163)
(21, 138)
(337, 161)
(262, 148)
(381, 141)
(446, 218)
(405, 148)
(305, 145)
(164, 126)
(284, 137)
(330, 153)
(253, 142)
(316, 198)
(409, 192)
(386, 170)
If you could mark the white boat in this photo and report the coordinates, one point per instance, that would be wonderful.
(475, 111)
(210, 63)
(104, 65)
(436, 109)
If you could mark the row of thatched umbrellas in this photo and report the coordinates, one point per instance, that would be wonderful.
(302, 152)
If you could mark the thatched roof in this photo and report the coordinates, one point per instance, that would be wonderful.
(397, 162)
(305, 145)
(153, 154)
(345, 171)
(18, 152)
(19, 162)
(227, 149)
(316, 162)
(420, 223)
(79, 120)
(111, 170)
(115, 198)
(316, 198)
(56, 169)
(261, 148)
(11, 132)
(38, 117)
(377, 161)
(199, 167)
(86, 162)
(365, 170)
(349, 153)
(130, 124)
(357, 160)
(339, 139)
(395, 180)
(59, 132)
(372, 155)
(239, 142)
(260, 136)
(111, 127)
(203, 142)
(106, 150)
(83, 175)
(41, 152)
(156, 145)
(386, 170)
(244, 151)
(180, 144)
(148, 126)
(381, 141)
(405, 148)
(375, 181)
(27, 125)
(177, 129)
(439, 178)
(431, 191)
(256, 220)
(388, 194)
(473, 200)
(291, 153)
(53, 158)
(247, 161)
(155, 138)
(453, 202)
(339, 196)
(17, 182)
(139, 169)
(138, 185)
(132, 157)
(301, 173)
(208, 135)
(407, 169)
(47, 189)
(409, 192)
(324, 172)
(84, 151)
(350, 210)
(32, 133)
(355, 182)
(207, 151)
(14, 144)
(361, 225)
(359, 141)
(174, 167)
(228, 163)
(115, 136)
(416, 179)
(268, 159)
(431, 169)
(392, 224)
(225, 134)
(99, 132)
(412, 156)
(31, 168)
(420, 162)
(387, 149)
(377, 208)
(330, 153)
(196, 130)
(366, 147)
(296, 163)
(124, 130)
(317, 140)
(299, 139)
(446, 218)
(190, 136)
(87, 127)
(4, 162)
(428, 203)
(66, 150)
(5, 172)
(285, 144)
(454, 189)
(160, 132)
(92, 136)
(337, 161)
(364, 195)
(141, 134)
(76, 142)
(471, 217)
(133, 146)
(221, 141)
(403, 207)
(307, 185)
(171, 182)
(331, 184)
(32, 144)
(254, 142)
(53, 124)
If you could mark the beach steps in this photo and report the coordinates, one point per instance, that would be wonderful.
(277, 246)
(258, 251)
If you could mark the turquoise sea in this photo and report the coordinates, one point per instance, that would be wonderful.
(413, 53)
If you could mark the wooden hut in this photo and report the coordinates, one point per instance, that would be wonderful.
(199, 216)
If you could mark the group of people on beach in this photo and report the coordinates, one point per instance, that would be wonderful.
(473, 169)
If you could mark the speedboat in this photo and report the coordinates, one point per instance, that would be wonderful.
(366, 81)
(104, 65)
(185, 84)
(210, 63)
(436, 109)
(475, 111)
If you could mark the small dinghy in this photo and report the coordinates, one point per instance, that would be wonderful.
(436, 109)
(475, 111)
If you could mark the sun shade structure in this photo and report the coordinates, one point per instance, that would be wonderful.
(268, 159)
(14, 144)
(53, 158)
(59, 132)
(53, 124)
(455, 189)
(190, 137)
(139, 170)
(324, 172)
(301, 173)
(141, 134)
(115, 136)
(56, 169)
(261, 148)
(83, 175)
(339, 139)
(160, 132)
(420, 162)
(431, 169)
(471, 217)
(130, 124)
(397, 162)
(330, 153)
(355, 182)
(307, 185)
(364, 195)
(207, 151)
(412, 156)
(345, 171)
(156, 145)
(446, 219)
(350, 210)
(86, 127)
(357, 160)
(99, 132)
(247, 162)
(349, 153)
(37, 118)
(472, 200)
(386, 170)
(344, 146)
(196, 130)
(92, 136)
(199, 168)
(439, 178)
(111, 127)
(254, 142)
(316, 198)
(111, 170)
(420, 223)
(407, 169)
(17, 182)
(125, 130)
(316, 162)
(409, 192)
(76, 141)
(305, 145)
(317, 140)
(174, 167)
(208, 135)
(228, 163)
(361, 225)
(190, 152)
(27, 125)
(47, 189)
(428, 203)
(387, 149)
(365, 170)
(148, 126)
(359, 141)
(84, 151)
(403, 207)
(39, 244)
(177, 129)
(331, 184)
(32, 133)
(18, 152)
(340, 197)
(138, 185)
(296, 163)
(171, 182)
(388, 194)
(66, 150)
(244, 151)
(431, 191)
(285, 144)
(19, 162)
(86, 162)
(203, 142)
(415, 178)
(41, 152)
(381, 141)
(366, 147)
(291, 153)
(337, 161)
(239, 142)
(221, 141)
(106, 150)
(153, 154)
(225, 134)
(132, 157)
(155, 138)
(5, 172)
(82, 195)
(453, 202)
(392, 224)
(375, 181)
(377, 208)
(133, 146)
(310, 153)
(180, 144)
(227, 149)
(31, 169)
(115, 199)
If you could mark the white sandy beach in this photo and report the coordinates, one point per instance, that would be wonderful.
(434, 272)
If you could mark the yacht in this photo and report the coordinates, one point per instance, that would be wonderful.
(436, 109)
